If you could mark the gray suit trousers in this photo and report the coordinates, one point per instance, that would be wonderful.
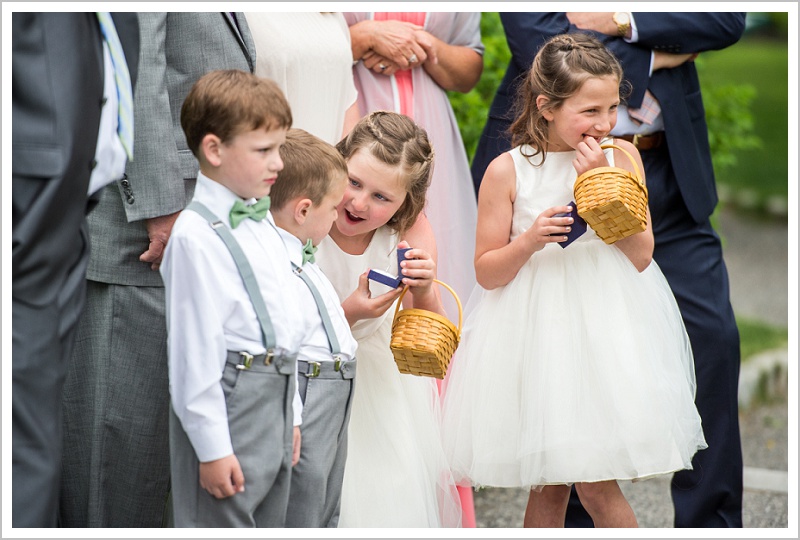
(316, 492)
(260, 420)
(116, 460)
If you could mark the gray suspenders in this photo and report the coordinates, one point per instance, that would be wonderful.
(251, 285)
(341, 369)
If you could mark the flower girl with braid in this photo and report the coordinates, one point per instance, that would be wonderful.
(396, 474)
(574, 365)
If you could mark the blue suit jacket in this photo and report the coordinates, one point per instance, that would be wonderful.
(677, 89)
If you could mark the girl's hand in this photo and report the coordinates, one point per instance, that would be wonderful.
(588, 156)
(549, 227)
(222, 477)
(361, 305)
(418, 270)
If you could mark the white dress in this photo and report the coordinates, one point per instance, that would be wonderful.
(578, 370)
(396, 474)
(308, 55)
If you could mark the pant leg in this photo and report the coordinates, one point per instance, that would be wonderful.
(116, 399)
(42, 343)
(316, 488)
(690, 256)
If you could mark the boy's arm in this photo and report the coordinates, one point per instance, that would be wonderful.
(196, 345)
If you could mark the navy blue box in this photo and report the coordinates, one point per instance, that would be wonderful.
(578, 225)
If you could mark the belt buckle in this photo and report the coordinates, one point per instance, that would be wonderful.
(315, 367)
(246, 362)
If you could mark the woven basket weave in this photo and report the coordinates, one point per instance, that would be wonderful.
(613, 201)
(423, 341)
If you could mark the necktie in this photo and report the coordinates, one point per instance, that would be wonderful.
(308, 252)
(123, 79)
(648, 112)
(257, 211)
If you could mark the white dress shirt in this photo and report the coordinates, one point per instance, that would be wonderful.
(209, 311)
(626, 126)
(110, 159)
(316, 347)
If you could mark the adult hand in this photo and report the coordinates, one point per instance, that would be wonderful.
(158, 230)
(222, 477)
(599, 22)
(397, 42)
(665, 60)
(379, 64)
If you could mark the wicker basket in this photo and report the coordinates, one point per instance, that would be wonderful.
(613, 201)
(422, 341)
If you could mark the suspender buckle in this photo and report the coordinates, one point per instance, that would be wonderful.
(314, 371)
(337, 362)
(269, 356)
(247, 360)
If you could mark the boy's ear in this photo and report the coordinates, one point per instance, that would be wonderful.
(210, 147)
(541, 101)
(301, 209)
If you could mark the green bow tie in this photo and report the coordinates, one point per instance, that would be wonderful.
(257, 211)
(308, 252)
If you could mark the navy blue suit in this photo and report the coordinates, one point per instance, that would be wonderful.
(682, 190)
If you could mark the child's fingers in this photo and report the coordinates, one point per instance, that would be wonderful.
(237, 477)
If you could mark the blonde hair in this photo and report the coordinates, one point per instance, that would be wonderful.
(309, 167)
(229, 102)
(396, 140)
(558, 71)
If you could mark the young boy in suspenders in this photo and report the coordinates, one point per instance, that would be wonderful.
(234, 325)
(304, 204)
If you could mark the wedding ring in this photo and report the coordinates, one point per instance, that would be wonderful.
(382, 66)
(412, 59)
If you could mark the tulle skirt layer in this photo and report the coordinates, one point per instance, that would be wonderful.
(579, 370)
(396, 473)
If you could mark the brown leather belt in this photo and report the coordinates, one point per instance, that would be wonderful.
(645, 142)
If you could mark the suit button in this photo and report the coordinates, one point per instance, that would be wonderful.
(103, 102)
(130, 199)
(92, 164)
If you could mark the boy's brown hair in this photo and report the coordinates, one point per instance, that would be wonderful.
(309, 165)
(229, 102)
(396, 140)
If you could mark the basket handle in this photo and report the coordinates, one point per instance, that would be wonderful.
(633, 161)
(443, 284)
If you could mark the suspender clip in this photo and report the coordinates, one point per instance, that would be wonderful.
(247, 360)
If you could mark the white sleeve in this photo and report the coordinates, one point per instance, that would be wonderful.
(196, 344)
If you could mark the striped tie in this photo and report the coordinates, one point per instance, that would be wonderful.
(123, 80)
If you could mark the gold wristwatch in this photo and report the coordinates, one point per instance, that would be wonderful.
(623, 21)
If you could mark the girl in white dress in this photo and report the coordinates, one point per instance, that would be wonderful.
(396, 474)
(574, 365)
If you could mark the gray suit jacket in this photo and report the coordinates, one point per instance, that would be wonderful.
(176, 50)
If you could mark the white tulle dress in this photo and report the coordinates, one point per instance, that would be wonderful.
(396, 474)
(578, 370)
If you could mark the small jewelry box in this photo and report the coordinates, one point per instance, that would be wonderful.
(385, 277)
